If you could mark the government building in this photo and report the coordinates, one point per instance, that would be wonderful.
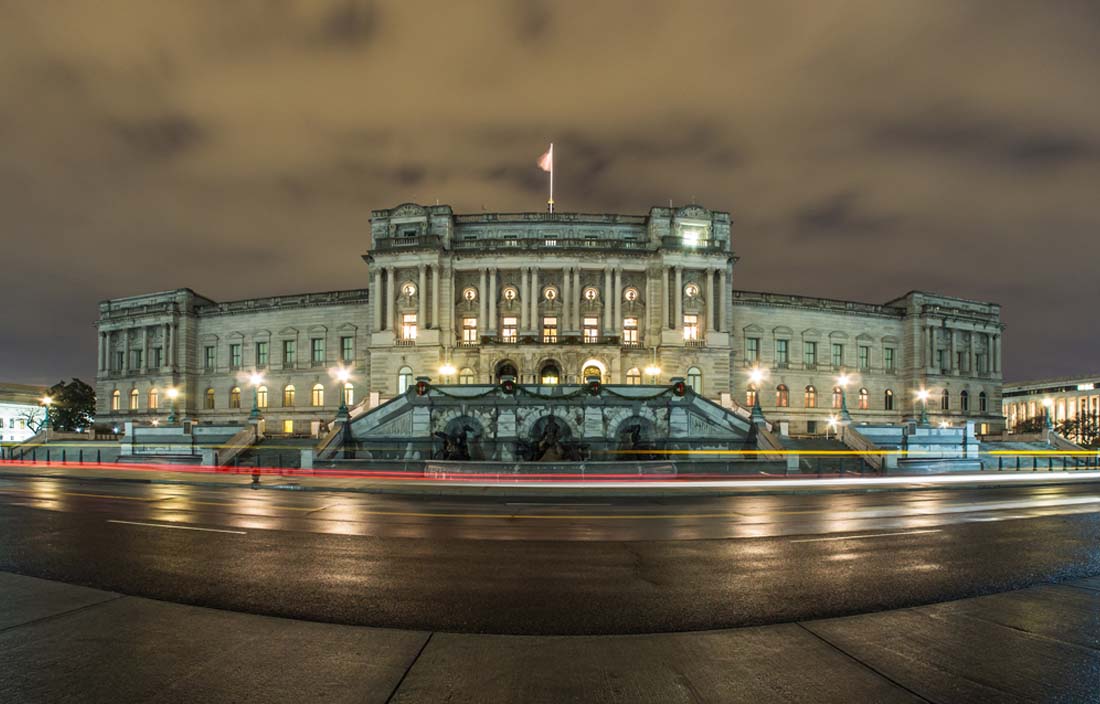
(549, 299)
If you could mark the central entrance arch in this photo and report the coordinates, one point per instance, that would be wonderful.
(594, 369)
(505, 368)
(549, 373)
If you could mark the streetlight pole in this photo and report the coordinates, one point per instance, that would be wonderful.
(342, 413)
(256, 380)
(922, 395)
(173, 394)
(46, 402)
(842, 382)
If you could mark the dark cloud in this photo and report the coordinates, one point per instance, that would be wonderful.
(863, 148)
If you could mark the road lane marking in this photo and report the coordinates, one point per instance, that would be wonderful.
(165, 525)
(861, 537)
(550, 503)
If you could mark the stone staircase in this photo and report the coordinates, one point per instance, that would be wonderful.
(825, 463)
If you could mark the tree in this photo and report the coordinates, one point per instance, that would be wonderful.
(73, 406)
(33, 418)
(1083, 428)
(1036, 424)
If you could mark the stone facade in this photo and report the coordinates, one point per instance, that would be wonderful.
(1062, 398)
(20, 408)
(543, 297)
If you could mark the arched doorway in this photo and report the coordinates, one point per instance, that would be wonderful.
(550, 373)
(505, 368)
(593, 369)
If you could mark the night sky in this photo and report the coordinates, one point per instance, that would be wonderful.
(863, 148)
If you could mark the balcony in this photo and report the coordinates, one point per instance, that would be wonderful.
(520, 245)
(695, 343)
(707, 245)
(400, 244)
(405, 342)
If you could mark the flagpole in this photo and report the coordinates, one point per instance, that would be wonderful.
(551, 201)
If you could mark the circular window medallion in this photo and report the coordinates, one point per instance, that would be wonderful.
(409, 289)
(590, 294)
(550, 293)
(470, 294)
(510, 294)
(691, 290)
(631, 294)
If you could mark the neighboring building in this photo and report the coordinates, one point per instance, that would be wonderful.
(20, 408)
(548, 298)
(1066, 398)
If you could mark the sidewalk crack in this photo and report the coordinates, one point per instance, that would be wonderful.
(408, 669)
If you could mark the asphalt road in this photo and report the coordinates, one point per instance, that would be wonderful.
(547, 567)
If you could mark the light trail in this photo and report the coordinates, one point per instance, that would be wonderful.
(177, 527)
(861, 537)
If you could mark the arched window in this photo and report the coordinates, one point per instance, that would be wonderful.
(134, 399)
(235, 397)
(288, 396)
(349, 393)
(837, 397)
(317, 397)
(261, 397)
(404, 379)
(750, 396)
(550, 374)
(782, 396)
(466, 376)
(983, 403)
(964, 400)
(116, 400)
(863, 399)
(811, 397)
(888, 400)
(208, 400)
(945, 400)
(154, 399)
(695, 379)
(634, 376)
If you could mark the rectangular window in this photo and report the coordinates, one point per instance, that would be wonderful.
(864, 357)
(888, 358)
(288, 427)
(469, 331)
(317, 351)
(941, 359)
(979, 363)
(347, 349)
(120, 361)
(208, 358)
(630, 333)
(135, 359)
(811, 427)
(235, 355)
(809, 354)
(290, 353)
(154, 358)
(288, 396)
(591, 330)
(509, 328)
(960, 361)
(782, 353)
(550, 329)
(408, 326)
(691, 326)
(261, 354)
(752, 350)
(838, 355)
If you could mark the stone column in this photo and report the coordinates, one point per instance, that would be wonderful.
(390, 293)
(617, 302)
(422, 297)
(710, 299)
(435, 297)
(577, 296)
(535, 322)
(567, 294)
(492, 326)
(524, 300)
(678, 299)
(989, 353)
(482, 300)
(664, 298)
(377, 294)
(144, 349)
(99, 351)
(169, 343)
(952, 362)
(721, 299)
(607, 300)
(996, 361)
(930, 346)
(125, 342)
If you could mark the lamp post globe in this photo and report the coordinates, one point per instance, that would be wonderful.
(342, 413)
(256, 380)
(173, 395)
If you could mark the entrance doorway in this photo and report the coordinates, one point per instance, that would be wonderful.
(505, 368)
(550, 373)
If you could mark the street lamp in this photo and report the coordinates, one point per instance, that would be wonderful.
(1048, 411)
(256, 379)
(842, 383)
(447, 370)
(173, 394)
(47, 401)
(922, 396)
(342, 412)
(756, 376)
(653, 371)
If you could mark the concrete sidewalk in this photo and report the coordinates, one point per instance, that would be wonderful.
(322, 480)
(63, 643)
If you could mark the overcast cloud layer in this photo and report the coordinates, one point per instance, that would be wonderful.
(864, 148)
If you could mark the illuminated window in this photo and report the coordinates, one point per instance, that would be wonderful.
(290, 351)
(408, 326)
(288, 396)
(349, 393)
(837, 397)
(750, 396)
(317, 351)
(235, 397)
(809, 354)
(116, 400)
(630, 331)
(691, 237)
(469, 331)
(691, 326)
(752, 349)
(591, 329)
(633, 376)
(317, 396)
(509, 328)
(347, 349)
(235, 355)
(470, 294)
(154, 399)
(863, 405)
(888, 400)
(591, 372)
(945, 400)
(550, 329)
(695, 379)
(983, 402)
(864, 357)
(838, 355)
(810, 398)
(208, 400)
(691, 290)
(591, 294)
(261, 354)
(550, 293)
(134, 399)
(288, 426)
(466, 376)
(782, 353)
(409, 289)
(261, 397)
(964, 400)
(404, 379)
(510, 293)
(550, 374)
(782, 396)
